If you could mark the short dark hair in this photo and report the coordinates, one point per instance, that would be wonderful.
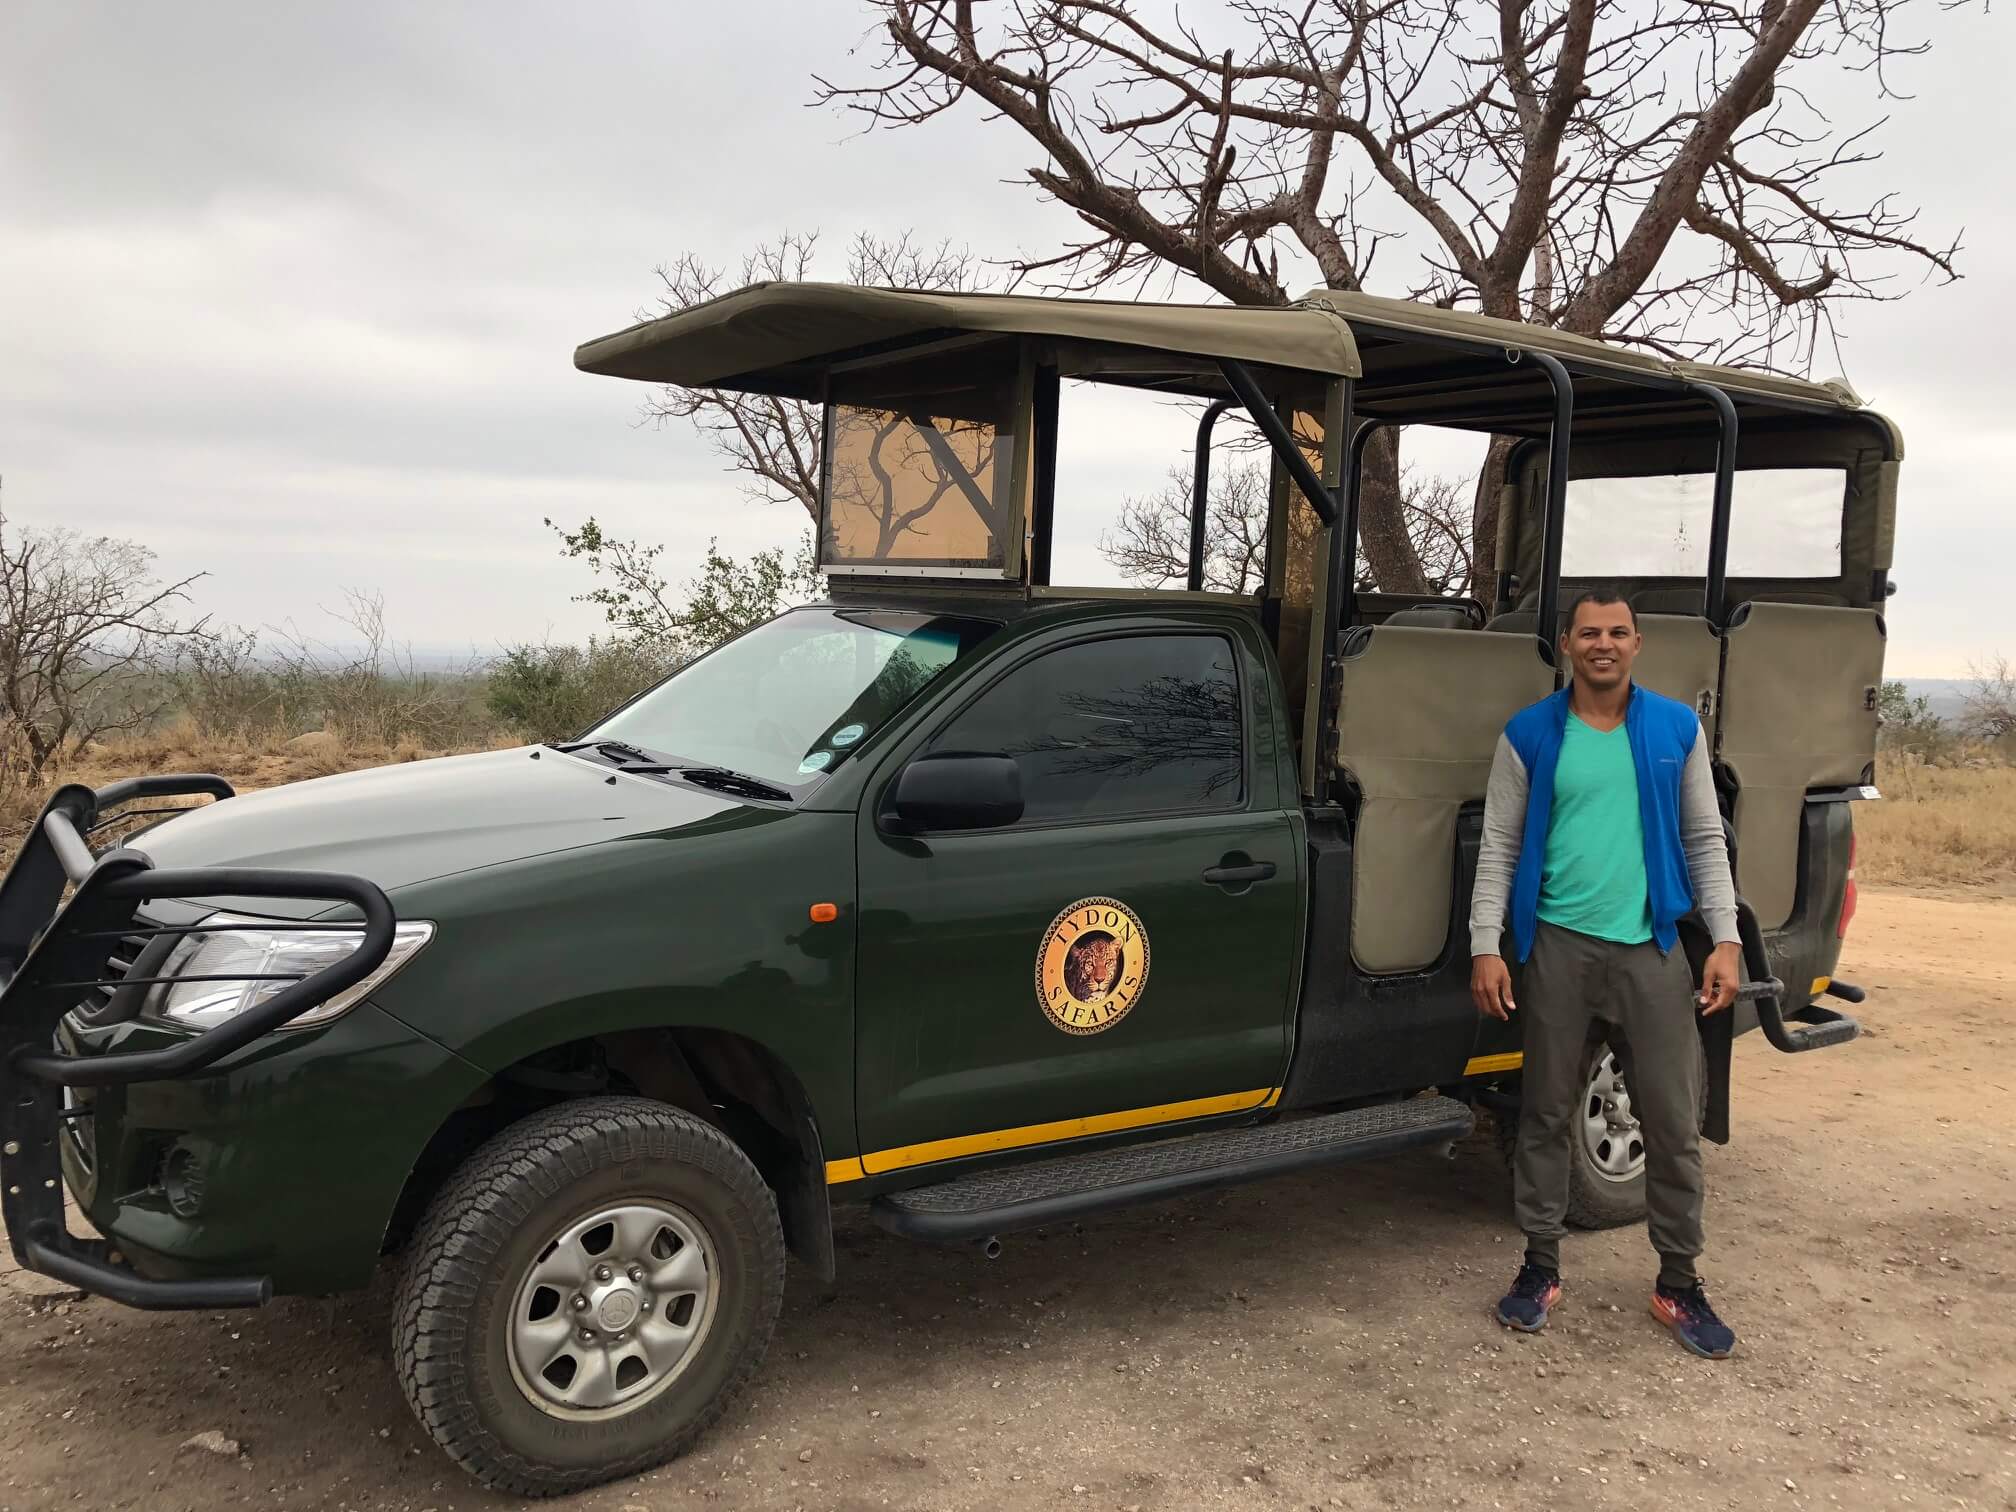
(1598, 596)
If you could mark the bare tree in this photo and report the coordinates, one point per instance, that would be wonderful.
(1545, 156)
(88, 634)
(1437, 518)
(775, 442)
(1150, 539)
(1989, 712)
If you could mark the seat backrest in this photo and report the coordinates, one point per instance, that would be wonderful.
(1667, 601)
(1418, 720)
(1682, 658)
(1434, 617)
(1798, 711)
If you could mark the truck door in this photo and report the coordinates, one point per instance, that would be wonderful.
(1127, 953)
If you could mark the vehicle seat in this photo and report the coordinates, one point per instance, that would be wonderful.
(1667, 601)
(1418, 720)
(1798, 711)
(1682, 658)
(1434, 617)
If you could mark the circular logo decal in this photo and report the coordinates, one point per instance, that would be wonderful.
(818, 761)
(846, 735)
(1092, 966)
(618, 1311)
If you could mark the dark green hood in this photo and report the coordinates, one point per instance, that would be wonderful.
(398, 825)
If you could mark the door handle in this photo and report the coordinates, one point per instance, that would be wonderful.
(1238, 876)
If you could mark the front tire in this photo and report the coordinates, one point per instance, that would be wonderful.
(587, 1294)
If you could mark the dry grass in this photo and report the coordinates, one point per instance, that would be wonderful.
(1940, 827)
(1935, 826)
(246, 763)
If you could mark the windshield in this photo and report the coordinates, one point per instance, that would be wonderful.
(793, 698)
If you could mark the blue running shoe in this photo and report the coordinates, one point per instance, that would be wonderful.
(1534, 1292)
(1693, 1321)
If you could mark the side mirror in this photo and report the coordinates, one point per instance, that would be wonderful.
(955, 790)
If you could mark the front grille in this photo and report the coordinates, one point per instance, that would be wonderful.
(118, 966)
(78, 1125)
(139, 954)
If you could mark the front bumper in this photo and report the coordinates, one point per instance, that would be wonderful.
(268, 1129)
(295, 1152)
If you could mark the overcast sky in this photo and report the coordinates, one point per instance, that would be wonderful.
(290, 293)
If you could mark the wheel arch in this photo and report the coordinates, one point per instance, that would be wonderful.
(739, 1085)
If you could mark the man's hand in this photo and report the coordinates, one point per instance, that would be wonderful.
(1721, 977)
(1491, 986)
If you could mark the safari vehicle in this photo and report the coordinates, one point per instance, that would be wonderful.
(968, 896)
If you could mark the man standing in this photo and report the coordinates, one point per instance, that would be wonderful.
(1601, 832)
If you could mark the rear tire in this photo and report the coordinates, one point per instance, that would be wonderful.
(539, 1381)
(1606, 1187)
(1606, 1174)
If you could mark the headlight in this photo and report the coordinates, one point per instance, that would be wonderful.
(238, 951)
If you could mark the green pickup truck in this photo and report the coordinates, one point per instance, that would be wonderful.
(973, 898)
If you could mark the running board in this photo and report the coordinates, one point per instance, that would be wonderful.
(1073, 1186)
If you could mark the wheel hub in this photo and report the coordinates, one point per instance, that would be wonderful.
(609, 1311)
(617, 1310)
(1611, 1135)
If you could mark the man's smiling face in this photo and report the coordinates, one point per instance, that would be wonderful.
(1602, 642)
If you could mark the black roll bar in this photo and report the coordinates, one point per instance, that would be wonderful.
(1200, 488)
(129, 877)
(1277, 435)
(1714, 599)
(1555, 521)
(53, 947)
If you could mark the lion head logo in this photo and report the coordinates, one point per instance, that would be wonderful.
(1092, 966)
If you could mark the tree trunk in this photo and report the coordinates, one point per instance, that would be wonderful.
(1382, 520)
(1484, 519)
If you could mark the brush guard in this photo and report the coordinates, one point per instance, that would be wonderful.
(53, 951)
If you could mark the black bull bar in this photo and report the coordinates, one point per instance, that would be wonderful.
(53, 952)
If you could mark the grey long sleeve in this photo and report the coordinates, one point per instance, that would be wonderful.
(1707, 852)
(1498, 855)
(1505, 826)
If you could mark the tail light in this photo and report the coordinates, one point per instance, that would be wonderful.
(1848, 892)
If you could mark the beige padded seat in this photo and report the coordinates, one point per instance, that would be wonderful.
(1667, 601)
(1798, 711)
(1418, 722)
(1433, 617)
(1682, 658)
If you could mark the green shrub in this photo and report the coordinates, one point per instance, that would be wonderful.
(550, 692)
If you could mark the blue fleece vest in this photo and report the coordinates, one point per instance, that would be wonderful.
(1662, 732)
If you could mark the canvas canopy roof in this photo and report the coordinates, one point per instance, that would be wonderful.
(1414, 363)
(1426, 365)
(778, 337)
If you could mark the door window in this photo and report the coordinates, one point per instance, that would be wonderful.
(1139, 724)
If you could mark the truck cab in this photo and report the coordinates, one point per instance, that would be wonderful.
(972, 898)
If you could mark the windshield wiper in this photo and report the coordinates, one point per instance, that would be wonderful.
(734, 782)
(629, 757)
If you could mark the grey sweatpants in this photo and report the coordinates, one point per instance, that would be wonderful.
(1644, 1002)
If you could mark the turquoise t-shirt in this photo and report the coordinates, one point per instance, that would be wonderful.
(1592, 879)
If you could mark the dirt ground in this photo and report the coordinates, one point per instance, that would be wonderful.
(1320, 1341)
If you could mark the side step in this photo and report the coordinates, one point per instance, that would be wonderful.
(1051, 1191)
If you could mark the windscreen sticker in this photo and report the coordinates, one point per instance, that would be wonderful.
(846, 735)
(818, 761)
(1092, 966)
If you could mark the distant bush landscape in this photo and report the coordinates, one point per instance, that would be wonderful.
(102, 675)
